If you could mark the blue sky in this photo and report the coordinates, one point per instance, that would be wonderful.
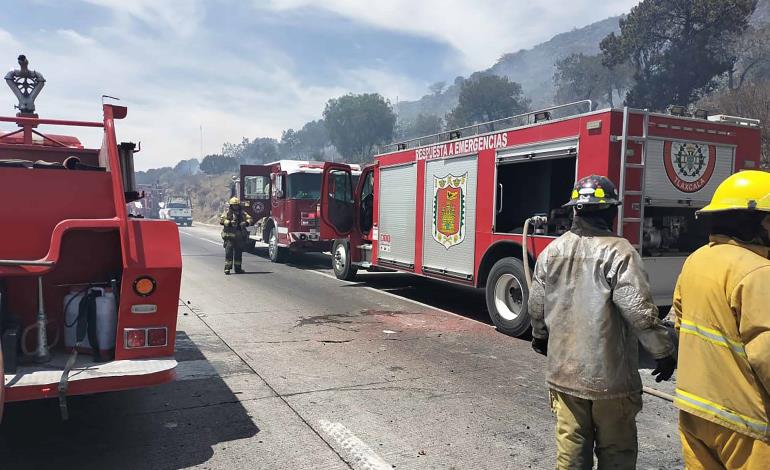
(254, 68)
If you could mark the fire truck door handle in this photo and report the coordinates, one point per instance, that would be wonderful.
(500, 206)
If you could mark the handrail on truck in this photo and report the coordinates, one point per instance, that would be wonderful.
(475, 128)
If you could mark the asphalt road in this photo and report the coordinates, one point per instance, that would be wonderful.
(286, 367)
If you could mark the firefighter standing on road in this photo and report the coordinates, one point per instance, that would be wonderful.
(722, 308)
(589, 302)
(234, 220)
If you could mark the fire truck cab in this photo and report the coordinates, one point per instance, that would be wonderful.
(282, 197)
(476, 206)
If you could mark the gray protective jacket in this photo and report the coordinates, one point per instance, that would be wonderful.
(591, 299)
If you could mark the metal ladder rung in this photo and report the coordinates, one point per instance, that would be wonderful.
(634, 220)
(633, 193)
(635, 165)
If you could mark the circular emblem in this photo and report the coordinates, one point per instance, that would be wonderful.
(689, 166)
(258, 206)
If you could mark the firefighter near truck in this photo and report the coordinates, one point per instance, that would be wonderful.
(476, 206)
(88, 302)
(282, 198)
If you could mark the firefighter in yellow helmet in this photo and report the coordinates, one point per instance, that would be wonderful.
(722, 308)
(590, 306)
(234, 220)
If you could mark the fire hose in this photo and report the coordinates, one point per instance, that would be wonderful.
(528, 277)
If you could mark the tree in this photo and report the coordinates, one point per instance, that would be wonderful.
(259, 150)
(485, 97)
(677, 48)
(356, 123)
(752, 49)
(581, 77)
(751, 100)
(217, 164)
(308, 143)
(187, 167)
(437, 88)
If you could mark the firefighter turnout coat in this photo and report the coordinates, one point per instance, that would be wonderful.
(232, 230)
(722, 308)
(591, 299)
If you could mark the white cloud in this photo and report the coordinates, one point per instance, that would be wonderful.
(481, 30)
(179, 16)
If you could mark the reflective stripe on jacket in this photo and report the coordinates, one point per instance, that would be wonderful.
(590, 297)
(722, 308)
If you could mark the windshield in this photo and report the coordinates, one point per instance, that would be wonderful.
(304, 186)
(177, 205)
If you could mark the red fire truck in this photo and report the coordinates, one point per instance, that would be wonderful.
(282, 198)
(67, 237)
(461, 206)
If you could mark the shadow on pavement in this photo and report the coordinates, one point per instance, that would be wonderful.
(171, 426)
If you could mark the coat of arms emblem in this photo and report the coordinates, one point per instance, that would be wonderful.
(689, 165)
(449, 209)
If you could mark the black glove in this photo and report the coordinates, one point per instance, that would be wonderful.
(664, 368)
(244, 224)
(540, 345)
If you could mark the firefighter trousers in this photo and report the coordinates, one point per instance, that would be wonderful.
(607, 427)
(233, 255)
(707, 446)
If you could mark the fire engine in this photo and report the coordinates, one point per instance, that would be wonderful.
(88, 296)
(477, 205)
(282, 197)
(153, 197)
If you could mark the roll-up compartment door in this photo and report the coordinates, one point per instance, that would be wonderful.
(449, 228)
(397, 208)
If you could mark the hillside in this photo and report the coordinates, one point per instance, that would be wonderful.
(534, 68)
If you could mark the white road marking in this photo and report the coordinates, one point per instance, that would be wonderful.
(201, 238)
(357, 454)
(405, 299)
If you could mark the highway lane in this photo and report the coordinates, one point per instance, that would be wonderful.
(286, 367)
(421, 386)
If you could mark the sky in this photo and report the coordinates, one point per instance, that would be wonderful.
(228, 69)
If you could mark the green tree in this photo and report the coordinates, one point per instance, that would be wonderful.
(677, 48)
(217, 164)
(308, 143)
(357, 123)
(259, 150)
(581, 77)
(187, 167)
(485, 97)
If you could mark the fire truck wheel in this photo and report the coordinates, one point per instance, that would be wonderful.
(343, 267)
(507, 296)
(276, 253)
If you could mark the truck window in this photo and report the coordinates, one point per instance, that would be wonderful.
(340, 200)
(256, 187)
(304, 186)
(177, 205)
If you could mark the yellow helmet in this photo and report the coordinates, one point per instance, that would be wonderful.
(745, 190)
(234, 201)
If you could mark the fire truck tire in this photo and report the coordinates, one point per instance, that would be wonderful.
(507, 295)
(343, 267)
(275, 252)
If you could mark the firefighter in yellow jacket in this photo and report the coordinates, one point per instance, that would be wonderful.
(722, 308)
(234, 221)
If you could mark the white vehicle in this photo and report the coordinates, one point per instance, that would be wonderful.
(178, 209)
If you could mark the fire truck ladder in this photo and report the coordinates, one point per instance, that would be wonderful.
(625, 166)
